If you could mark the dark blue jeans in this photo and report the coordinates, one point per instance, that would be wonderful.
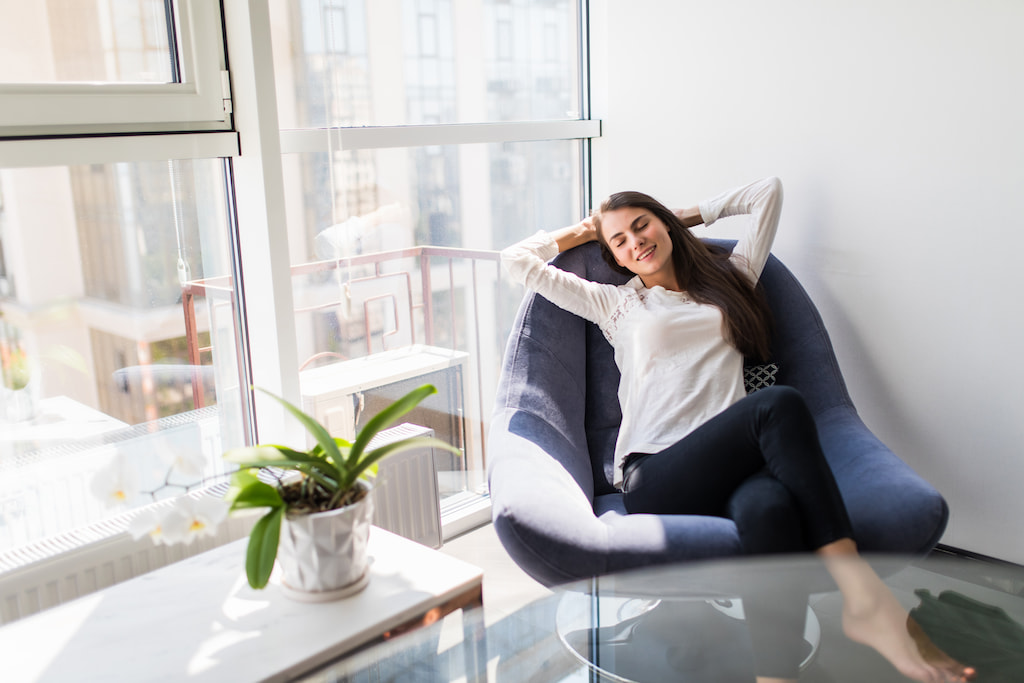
(759, 463)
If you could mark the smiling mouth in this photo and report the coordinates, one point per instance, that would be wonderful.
(646, 254)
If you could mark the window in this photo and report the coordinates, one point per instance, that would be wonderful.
(394, 230)
(150, 273)
(413, 260)
(100, 392)
(124, 41)
(74, 66)
(437, 62)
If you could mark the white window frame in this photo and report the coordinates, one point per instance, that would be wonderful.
(200, 102)
(382, 137)
(191, 129)
(258, 175)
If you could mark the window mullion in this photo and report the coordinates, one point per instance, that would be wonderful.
(112, 149)
(265, 280)
(583, 27)
(380, 137)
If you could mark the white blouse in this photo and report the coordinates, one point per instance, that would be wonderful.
(677, 368)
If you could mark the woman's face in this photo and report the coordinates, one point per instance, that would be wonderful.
(640, 242)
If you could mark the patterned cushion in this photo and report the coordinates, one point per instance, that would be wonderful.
(759, 376)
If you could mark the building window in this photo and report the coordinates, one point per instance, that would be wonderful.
(504, 45)
(336, 28)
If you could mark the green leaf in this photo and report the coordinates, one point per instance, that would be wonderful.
(257, 495)
(262, 550)
(371, 457)
(328, 481)
(317, 462)
(251, 454)
(286, 458)
(382, 420)
(344, 448)
(239, 480)
(326, 441)
(269, 453)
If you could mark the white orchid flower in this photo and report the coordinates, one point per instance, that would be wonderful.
(148, 523)
(192, 518)
(190, 463)
(117, 483)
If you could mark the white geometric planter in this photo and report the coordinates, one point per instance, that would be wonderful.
(323, 555)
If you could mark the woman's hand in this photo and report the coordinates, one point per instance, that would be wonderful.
(690, 218)
(575, 235)
(589, 228)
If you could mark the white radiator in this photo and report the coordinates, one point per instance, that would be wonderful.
(407, 500)
(344, 396)
(68, 566)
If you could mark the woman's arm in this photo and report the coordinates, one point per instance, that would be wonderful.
(527, 263)
(762, 200)
(575, 235)
(690, 218)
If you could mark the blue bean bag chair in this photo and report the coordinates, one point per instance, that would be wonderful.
(551, 444)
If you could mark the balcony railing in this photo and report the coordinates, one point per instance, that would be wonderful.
(455, 267)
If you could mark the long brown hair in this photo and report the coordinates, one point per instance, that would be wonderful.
(705, 272)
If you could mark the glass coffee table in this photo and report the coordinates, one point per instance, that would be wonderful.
(689, 623)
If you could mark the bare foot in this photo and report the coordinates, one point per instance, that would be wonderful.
(931, 652)
(874, 617)
(882, 624)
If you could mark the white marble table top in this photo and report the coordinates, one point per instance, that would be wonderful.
(198, 620)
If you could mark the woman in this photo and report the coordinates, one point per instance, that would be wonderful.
(686, 320)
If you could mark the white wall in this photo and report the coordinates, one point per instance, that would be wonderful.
(896, 128)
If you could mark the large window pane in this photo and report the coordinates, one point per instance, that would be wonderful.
(411, 62)
(97, 41)
(120, 381)
(397, 281)
(71, 67)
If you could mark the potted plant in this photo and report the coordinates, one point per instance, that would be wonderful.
(320, 516)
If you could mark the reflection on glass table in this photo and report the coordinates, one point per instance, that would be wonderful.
(686, 623)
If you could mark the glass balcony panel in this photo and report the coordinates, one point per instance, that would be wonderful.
(411, 62)
(104, 404)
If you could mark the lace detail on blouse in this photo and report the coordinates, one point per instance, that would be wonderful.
(630, 303)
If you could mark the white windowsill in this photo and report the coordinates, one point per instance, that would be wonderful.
(162, 623)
